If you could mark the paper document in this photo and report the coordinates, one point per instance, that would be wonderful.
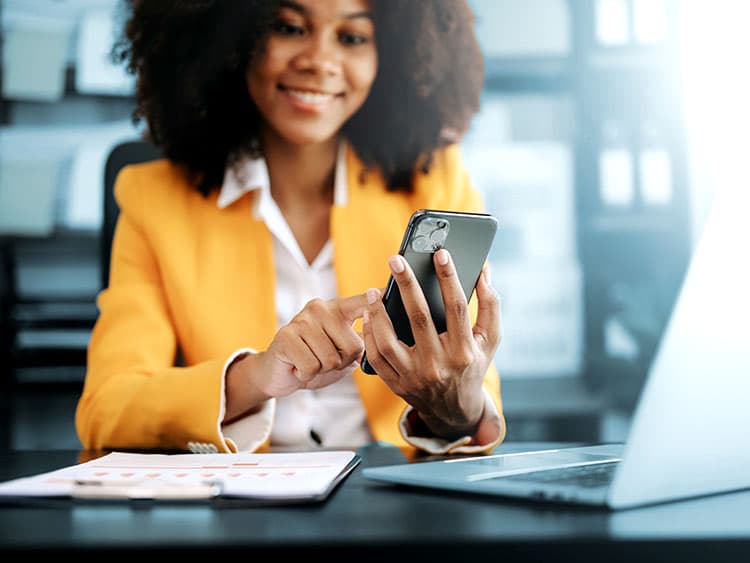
(264, 476)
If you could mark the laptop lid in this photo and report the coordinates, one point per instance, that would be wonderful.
(688, 432)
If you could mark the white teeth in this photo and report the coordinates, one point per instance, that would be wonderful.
(310, 97)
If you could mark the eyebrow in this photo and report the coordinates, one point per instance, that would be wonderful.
(305, 11)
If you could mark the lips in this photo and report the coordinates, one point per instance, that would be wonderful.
(310, 95)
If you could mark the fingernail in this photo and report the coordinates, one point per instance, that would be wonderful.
(442, 256)
(366, 316)
(372, 296)
(488, 274)
(396, 263)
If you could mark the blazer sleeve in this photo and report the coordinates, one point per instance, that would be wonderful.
(133, 395)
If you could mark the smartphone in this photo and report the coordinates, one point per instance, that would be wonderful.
(467, 236)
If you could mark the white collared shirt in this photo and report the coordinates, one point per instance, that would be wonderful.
(334, 415)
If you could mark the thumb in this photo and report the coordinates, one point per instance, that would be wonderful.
(488, 313)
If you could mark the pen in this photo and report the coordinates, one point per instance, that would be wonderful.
(92, 489)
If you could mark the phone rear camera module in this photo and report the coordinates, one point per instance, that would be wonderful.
(430, 234)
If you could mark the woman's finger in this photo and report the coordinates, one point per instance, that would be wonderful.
(487, 327)
(351, 308)
(299, 355)
(374, 357)
(457, 320)
(328, 355)
(415, 304)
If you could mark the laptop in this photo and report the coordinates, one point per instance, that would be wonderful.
(688, 434)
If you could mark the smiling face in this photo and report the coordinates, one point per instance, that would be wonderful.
(315, 70)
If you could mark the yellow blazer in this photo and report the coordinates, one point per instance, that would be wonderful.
(187, 275)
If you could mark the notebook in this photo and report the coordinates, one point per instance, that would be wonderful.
(226, 479)
(687, 437)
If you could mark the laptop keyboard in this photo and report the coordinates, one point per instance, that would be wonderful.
(588, 476)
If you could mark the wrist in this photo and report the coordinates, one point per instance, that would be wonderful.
(244, 394)
(424, 424)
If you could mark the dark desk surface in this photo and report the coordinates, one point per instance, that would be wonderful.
(365, 518)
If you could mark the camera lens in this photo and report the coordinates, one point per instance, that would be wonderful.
(437, 237)
(442, 224)
(420, 244)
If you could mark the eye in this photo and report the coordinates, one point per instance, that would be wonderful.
(286, 28)
(353, 39)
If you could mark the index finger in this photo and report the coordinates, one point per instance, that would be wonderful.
(415, 303)
(457, 319)
(353, 307)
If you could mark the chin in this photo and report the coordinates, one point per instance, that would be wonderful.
(308, 137)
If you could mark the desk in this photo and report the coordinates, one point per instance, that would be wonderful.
(363, 519)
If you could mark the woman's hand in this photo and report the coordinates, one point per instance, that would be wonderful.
(318, 347)
(441, 375)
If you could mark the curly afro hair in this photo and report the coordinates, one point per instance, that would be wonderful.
(190, 58)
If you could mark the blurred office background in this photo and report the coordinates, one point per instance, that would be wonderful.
(606, 127)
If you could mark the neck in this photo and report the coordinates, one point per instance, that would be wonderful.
(300, 173)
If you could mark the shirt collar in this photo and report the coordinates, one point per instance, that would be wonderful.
(250, 174)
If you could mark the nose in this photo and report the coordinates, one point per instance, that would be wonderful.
(319, 56)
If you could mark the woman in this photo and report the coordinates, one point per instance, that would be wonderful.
(299, 137)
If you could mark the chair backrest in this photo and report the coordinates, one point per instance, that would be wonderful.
(127, 152)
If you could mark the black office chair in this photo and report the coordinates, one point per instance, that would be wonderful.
(127, 152)
(60, 318)
(7, 300)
